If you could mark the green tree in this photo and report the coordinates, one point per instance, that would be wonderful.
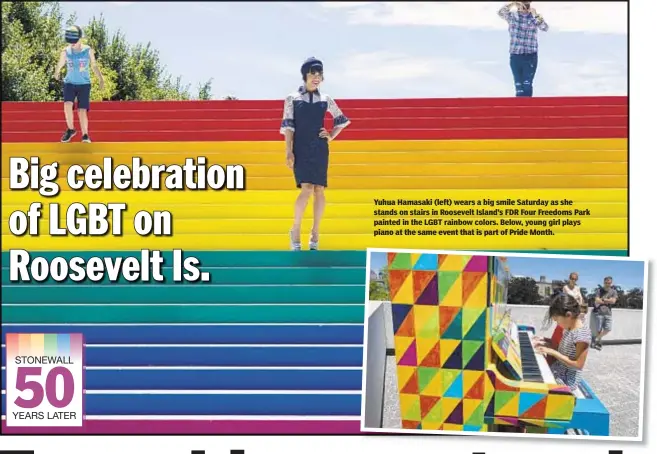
(139, 74)
(379, 288)
(205, 91)
(523, 290)
(32, 39)
(634, 298)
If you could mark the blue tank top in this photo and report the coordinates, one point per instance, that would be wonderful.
(77, 66)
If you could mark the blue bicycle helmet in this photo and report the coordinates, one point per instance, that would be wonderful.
(73, 34)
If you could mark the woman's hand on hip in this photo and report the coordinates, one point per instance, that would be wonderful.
(324, 134)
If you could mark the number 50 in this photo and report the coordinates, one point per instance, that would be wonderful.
(23, 383)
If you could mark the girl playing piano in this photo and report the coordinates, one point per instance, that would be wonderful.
(570, 355)
(573, 290)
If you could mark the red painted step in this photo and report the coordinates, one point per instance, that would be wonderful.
(353, 113)
(344, 103)
(353, 134)
(194, 126)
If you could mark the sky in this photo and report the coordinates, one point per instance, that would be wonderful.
(627, 274)
(253, 50)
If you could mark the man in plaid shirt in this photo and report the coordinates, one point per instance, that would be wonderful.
(523, 29)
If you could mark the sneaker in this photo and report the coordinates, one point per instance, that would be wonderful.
(86, 139)
(68, 135)
(294, 244)
(597, 346)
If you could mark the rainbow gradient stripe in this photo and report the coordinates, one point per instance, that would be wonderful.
(30, 344)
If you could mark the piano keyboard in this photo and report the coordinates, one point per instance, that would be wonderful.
(534, 365)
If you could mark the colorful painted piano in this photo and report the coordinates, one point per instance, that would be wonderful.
(462, 363)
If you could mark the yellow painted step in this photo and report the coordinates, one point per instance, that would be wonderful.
(137, 148)
(286, 211)
(288, 196)
(375, 169)
(341, 158)
(280, 241)
(434, 182)
(365, 226)
(66, 159)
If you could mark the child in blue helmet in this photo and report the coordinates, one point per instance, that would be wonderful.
(306, 145)
(77, 58)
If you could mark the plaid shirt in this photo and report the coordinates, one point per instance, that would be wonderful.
(523, 30)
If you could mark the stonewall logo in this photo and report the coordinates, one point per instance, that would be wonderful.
(44, 380)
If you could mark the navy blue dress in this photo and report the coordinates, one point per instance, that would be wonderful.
(304, 114)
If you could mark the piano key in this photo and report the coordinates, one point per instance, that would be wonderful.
(534, 360)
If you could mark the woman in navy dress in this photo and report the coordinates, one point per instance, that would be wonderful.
(306, 146)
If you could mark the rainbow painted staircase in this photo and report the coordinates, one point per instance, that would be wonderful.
(274, 343)
(463, 149)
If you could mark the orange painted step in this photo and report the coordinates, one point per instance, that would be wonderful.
(353, 134)
(364, 124)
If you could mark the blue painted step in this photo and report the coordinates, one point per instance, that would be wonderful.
(204, 334)
(222, 356)
(224, 379)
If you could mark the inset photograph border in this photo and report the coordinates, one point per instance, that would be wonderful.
(504, 344)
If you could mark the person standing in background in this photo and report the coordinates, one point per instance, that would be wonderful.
(524, 24)
(605, 297)
(571, 288)
(77, 58)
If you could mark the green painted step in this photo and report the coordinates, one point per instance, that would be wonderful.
(230, 258)
(604, 252)
(182, 314)
(281, 259)
(173, 294)
(236, 276)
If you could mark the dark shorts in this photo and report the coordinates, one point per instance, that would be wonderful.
(81, 92)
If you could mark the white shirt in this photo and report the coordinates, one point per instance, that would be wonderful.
(575, 293)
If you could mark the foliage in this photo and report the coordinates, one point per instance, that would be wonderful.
(205, 91)
(523, 290)
(32, 39)
(31, 32)
(379, 290)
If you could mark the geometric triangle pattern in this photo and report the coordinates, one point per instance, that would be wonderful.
(439, 319)
(447, 314)
(523, 403)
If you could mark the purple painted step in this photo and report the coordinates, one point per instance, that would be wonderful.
(202, 427)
